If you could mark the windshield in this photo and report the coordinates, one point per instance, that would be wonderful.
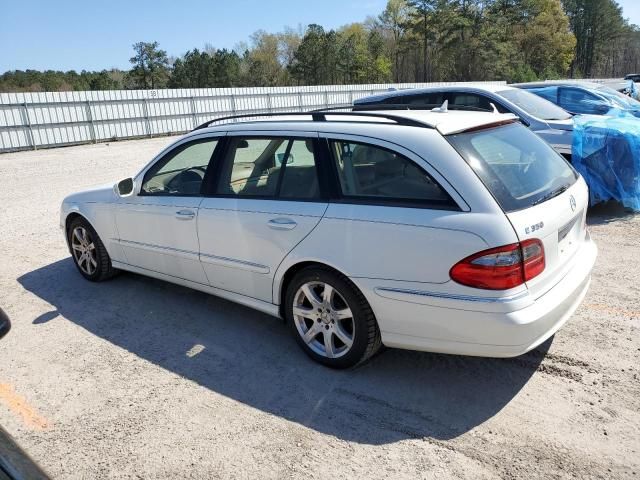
(518, 167)
(534, 105)
(619, 99)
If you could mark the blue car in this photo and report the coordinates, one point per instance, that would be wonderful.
(583, 97)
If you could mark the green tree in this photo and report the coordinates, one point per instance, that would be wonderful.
(394, 20)
(420, 14)
(150, 66)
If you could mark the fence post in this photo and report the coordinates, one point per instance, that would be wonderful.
(193, 112)
(300, 100)
(269, 104)
(326, 99)
(145, 110)
(90, 118)
(27, 121)
(233, 104)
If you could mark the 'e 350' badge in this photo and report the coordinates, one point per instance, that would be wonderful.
(533, 228)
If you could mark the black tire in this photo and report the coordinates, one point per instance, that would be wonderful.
(364, 327)
(103, 270)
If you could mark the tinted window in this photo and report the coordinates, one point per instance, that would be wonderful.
(534, 105)
(269, 167)
(469, 101)
(518, 167)
(181, 171)
(378, 174)
(579, 101)
(434, 99)
(548, 93)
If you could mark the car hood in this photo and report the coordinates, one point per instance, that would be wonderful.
(99, 194)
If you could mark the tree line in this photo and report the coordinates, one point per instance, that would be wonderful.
(410, 41)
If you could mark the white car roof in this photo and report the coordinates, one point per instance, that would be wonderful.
(446, 123)
(453, 121)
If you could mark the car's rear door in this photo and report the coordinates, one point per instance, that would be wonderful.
(267, 197)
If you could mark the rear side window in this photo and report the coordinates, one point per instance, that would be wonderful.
(434, 99)
(377, 175)
(548, 93)
(534, 105)
(518, 167)
(269, 168)
(470, 101)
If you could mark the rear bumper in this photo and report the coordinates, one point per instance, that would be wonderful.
(458, 329)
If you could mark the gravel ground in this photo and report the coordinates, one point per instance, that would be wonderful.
(136, 378)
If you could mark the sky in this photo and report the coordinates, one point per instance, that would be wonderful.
(81, 35)
(94, 35)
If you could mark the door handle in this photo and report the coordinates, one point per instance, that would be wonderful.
(185, 214)
(282, 223)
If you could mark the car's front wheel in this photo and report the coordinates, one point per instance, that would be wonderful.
(330, 318)
(89, 253)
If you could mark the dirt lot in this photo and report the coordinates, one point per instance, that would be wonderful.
(136, 378)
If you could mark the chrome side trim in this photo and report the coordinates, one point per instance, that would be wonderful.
(211, 259)
(233, 263)
(449, 296)
(157, 248)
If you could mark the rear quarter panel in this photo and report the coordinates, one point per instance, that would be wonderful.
(413, 247)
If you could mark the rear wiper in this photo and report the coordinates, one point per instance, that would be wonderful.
(551, 194)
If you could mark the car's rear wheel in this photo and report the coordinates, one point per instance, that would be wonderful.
(89, 253)
(330, 318)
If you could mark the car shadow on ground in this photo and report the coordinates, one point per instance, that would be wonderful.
(252, 358)
(608, 212)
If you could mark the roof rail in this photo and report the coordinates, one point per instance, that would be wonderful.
(321, 116)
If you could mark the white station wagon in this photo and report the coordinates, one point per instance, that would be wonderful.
(455, 232)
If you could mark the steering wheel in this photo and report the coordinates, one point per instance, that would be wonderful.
(192, 174)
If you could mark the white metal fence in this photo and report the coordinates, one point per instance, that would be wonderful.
(49, 119)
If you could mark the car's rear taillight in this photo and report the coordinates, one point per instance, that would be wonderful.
(501, 268)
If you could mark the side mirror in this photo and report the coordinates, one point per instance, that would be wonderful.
(125, 187)
(280, 158)
(5, 324)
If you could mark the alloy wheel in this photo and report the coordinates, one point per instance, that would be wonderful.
(84, 250)
(323, 319)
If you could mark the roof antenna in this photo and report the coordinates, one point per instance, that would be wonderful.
(495, 110)
(444, 108)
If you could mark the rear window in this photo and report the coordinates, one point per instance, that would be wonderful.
(516, 165)
(534, 105)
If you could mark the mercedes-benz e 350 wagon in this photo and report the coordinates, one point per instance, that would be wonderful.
(454, 232)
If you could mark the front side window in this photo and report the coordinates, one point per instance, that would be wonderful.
(579, 101)
(181, 171)
(269, 167)
(517, 167)
(375, 174)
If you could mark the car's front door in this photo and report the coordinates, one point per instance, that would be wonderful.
(157, 226)
(266, 199)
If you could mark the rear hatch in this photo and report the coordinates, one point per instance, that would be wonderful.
(543, 197)
(560, 223)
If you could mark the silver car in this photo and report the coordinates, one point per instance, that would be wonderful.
(549, 121)
(583, 98)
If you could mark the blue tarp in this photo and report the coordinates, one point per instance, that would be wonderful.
(606, 151)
